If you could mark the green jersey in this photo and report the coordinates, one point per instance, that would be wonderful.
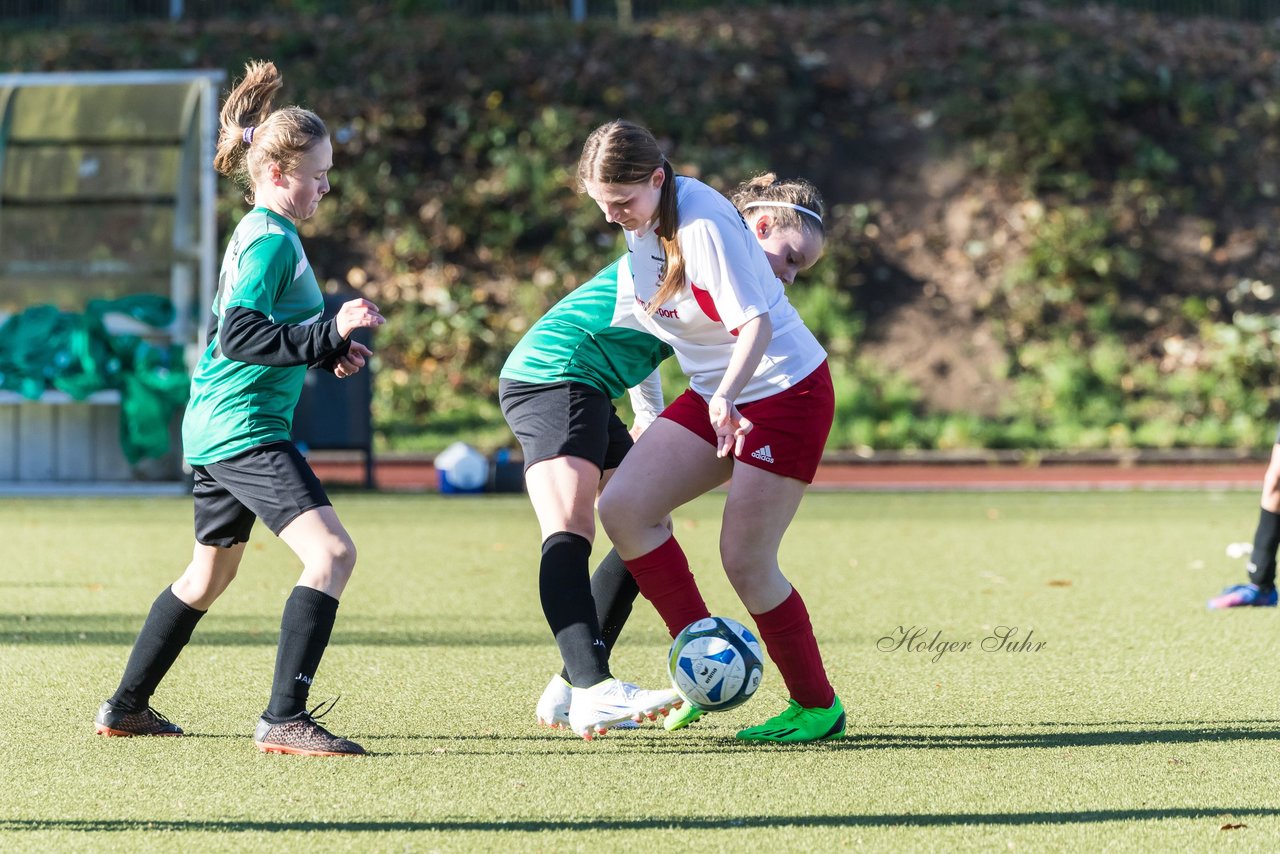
(592, 337)
(237, 405)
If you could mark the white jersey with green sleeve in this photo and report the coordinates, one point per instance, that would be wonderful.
(236, 405)
(591, 336)
(728, 281)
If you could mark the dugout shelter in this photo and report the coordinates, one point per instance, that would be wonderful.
(107, 228)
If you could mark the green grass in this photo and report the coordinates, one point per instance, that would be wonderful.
(1144, 723)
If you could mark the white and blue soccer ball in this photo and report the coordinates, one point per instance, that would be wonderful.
(716, 664)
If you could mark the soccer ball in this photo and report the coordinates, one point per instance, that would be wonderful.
(716, 664)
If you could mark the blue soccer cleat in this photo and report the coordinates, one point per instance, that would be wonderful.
(1244, 596)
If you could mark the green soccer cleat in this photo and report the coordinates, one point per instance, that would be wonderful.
(681, 717)
(798, 724)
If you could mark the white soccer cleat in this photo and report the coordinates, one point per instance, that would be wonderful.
(553, 705)
(593, 711)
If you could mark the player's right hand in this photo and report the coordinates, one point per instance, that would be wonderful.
(357, 314)
(352, 361)
(730, 426)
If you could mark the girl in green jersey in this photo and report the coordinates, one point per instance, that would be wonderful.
(265, 333)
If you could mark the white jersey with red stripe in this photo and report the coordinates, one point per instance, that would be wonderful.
(728, 282)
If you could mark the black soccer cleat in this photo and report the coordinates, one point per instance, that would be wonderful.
(117, 722)
(302, 736)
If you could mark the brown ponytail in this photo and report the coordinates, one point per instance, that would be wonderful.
(668, 224)
(621, 152)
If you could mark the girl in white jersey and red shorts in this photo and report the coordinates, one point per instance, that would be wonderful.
(556, 390)
(757, 413)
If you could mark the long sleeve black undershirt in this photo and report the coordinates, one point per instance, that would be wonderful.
(249, 336)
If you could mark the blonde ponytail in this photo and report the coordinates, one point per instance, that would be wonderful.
(252, 134)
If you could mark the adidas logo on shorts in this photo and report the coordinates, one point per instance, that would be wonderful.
(765, 454)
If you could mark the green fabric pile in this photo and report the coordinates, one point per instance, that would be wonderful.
(45, 348)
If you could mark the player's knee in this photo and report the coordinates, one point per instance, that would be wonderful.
(611, 513)
(202, 583)
(744, 564)
(335, 556)
(342, 555)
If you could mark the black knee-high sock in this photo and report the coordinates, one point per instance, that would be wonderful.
(615, 591)
(565, 590)
(165, 632)
(1262, 564)
(305, 627)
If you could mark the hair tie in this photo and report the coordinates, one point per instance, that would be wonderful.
(783, 205)
(247, 136)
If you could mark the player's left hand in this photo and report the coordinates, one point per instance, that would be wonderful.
(353, 361)
(731, 428)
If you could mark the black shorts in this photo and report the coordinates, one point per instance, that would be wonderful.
(565, 419)
(272, 482)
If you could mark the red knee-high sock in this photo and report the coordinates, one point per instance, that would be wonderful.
(665, 580)
(788, 635)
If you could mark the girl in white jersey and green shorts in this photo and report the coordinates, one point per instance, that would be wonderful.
(265, 332)
(556, 389)
(757, 413)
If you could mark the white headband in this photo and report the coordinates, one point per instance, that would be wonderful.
(783, 205)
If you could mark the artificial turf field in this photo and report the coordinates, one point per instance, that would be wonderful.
(1143, 723)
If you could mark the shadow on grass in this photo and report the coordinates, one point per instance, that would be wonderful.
(220, 630)
(1049, 724)
(648, 741)
(440, 738)
(653, 740)
(1094, 735)
(52, 585)
(504, 744)
(108, 825)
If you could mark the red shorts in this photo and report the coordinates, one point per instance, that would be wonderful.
(790, 428)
